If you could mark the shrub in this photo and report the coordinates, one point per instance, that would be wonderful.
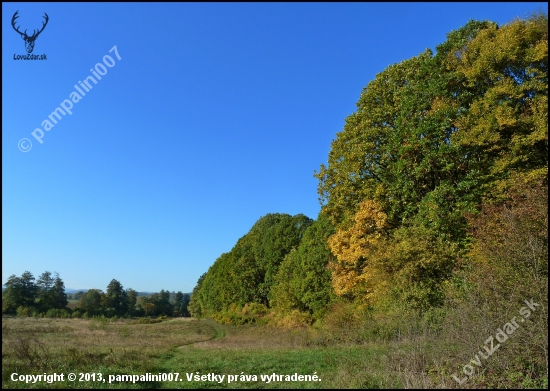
(24, 311)
(507, 265)
(76, 314)
(57, 313)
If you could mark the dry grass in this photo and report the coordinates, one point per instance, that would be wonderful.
(32, 345)
(63, 334)
(248, 337)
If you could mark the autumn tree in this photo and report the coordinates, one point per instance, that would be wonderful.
(505, 128)
(432, 137)
(355, 249)
(149, 308)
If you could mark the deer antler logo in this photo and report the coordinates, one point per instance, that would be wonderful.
(29, 41)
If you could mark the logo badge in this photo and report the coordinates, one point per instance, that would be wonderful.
(29, 40)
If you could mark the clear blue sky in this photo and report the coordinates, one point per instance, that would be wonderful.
(215, 115)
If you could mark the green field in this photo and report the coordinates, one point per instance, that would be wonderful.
(32, 346)
(104, 349)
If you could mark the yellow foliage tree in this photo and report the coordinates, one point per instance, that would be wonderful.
(506, 125)
(355, 247)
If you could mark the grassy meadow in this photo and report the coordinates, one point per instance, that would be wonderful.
(33, 346)
(37, 346)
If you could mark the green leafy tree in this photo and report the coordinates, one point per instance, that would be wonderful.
(19, 292)
(116, 298)
(132, 301)
(51, 292)
(57, 295)
(195, 306)
(396, 148)
(285, 293)
(162, 303)
(304, 281)
(44, 300)
(77, 295)
(181, 301)
(247, 273)
(91, 302)
(272, 238)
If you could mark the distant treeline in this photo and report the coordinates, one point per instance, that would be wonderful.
(46, 296)
(78, 294)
